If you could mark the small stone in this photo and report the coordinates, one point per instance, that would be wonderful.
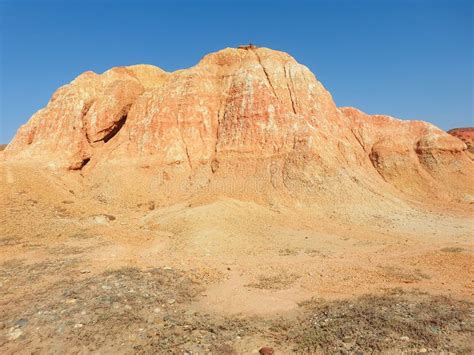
(21, 322)
(404, 338)
(171, 301)
(347, 339)
(266, 350)
(102, 218)
(157, 310)
(15, 333)
(78, 325)
(167, 268)
(423, 350)
(60, 329)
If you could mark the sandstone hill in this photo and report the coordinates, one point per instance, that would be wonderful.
(466, 135)
(244, 122)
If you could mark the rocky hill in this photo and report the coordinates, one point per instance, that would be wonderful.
(466, 135)
(243, 122)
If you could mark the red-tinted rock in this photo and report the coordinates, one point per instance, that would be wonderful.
(266, 350)
(249, 119)
(466, 135)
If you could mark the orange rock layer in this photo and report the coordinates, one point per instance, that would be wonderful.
(252, 115)
(466, 135)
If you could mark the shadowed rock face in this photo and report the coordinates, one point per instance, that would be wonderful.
(466, 135)
(240, 112)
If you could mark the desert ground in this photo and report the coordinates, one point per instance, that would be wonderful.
(232, 207)
(81, 274)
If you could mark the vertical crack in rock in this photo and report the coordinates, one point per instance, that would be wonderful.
(186, 150)
(217, 130)
(88, 139)
(220, 117)
(358, 140)
(266, 74)
(182, 136)
(295, 98)
(287, 75)
(84, 112)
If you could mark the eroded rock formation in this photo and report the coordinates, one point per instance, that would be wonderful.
(252, 114)
(466, 135)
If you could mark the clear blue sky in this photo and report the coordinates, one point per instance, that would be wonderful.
(409, 59)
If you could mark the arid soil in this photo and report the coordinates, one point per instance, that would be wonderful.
(80, 274)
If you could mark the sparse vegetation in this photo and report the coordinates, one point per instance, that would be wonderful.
(392, 322)
(452, 250)
(141, 311)
(149, 311)
(274, 282)
(406, 276)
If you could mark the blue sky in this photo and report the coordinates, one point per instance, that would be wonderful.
(409, 59)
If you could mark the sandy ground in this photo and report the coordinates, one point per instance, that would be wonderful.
(79, 275)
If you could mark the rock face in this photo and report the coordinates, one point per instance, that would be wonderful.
(81, 116)
(246, 117)
(466, 135)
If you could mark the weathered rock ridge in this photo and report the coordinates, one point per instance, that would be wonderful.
(252, 115)
(466, 135)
